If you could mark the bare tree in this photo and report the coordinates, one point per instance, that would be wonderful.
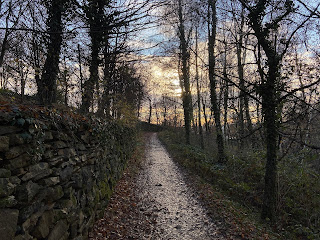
(270, 85)
(212, 30)
(47, 87)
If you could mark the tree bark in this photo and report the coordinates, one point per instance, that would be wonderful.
(268, 92)
(4, 42)
(244, 99)
(150, 111)
(212, 22)
(206, 123)
(48, 88)
(226, 94)
(198, 94)
(80, 69)
(186, 93)
(95, 16)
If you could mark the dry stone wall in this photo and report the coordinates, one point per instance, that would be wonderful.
(57, 172)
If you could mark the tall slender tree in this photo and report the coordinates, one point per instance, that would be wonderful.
(95, 17)
(212, 30)
(47, 86)
(184, 57)
(198, 92)
(265, 29)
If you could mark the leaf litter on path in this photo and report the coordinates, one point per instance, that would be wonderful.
(155, 203)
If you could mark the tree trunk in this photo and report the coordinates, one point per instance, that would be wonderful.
(186, 93)
(104, 106)
(212, 21)
(241, 82)
(150, 111)
(23, 78)
(206, 123)
(48, 88)
(4, 42)
(226, 93)
(269, 106)
(244, 99)
(95, 16)
(268, 93)
(87, 98)
(175, 116)
(157, 114)
(198, 94)
(65, 80)
(80, 69)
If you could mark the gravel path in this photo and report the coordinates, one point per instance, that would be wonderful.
(155, 203)
(164, 191)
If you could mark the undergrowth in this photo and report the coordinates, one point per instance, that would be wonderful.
(241, 182)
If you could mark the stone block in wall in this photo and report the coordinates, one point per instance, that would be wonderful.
(37, 171)
(48, 154)
(27, 191)
(83, 200)
(56, 161)
(81, 217)
(4, 143)
(15, 180)
(73, 230)
(89, 223)
(65, 173)
(85, 137)
(16, 139)
(6, 187)
(59, 214)
(67, 205)
(48, 135)
(30, 213)
(77, 181)
(42, 228)
(84, 158)
(33, 216)
(81, 147)
(57, 135)
(59, 231)
(5, 173)
(58, 144)
(8, 202)
(50, 181)
(92, 160)
(19, 162)
(27, 137)
(8, 223)
(67, 152)
(54, 193)
(5, 130)
(17, 151)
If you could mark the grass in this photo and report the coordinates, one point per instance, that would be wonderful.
(237, 189)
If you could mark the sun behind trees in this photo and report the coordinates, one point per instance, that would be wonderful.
(240, 77)
(247, 54)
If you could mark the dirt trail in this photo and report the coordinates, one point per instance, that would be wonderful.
(179, 215)
(155, 204)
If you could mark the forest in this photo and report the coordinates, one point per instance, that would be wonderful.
(234, 85)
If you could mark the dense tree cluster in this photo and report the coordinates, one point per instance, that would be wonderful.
(258, 69)
(72, 52)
